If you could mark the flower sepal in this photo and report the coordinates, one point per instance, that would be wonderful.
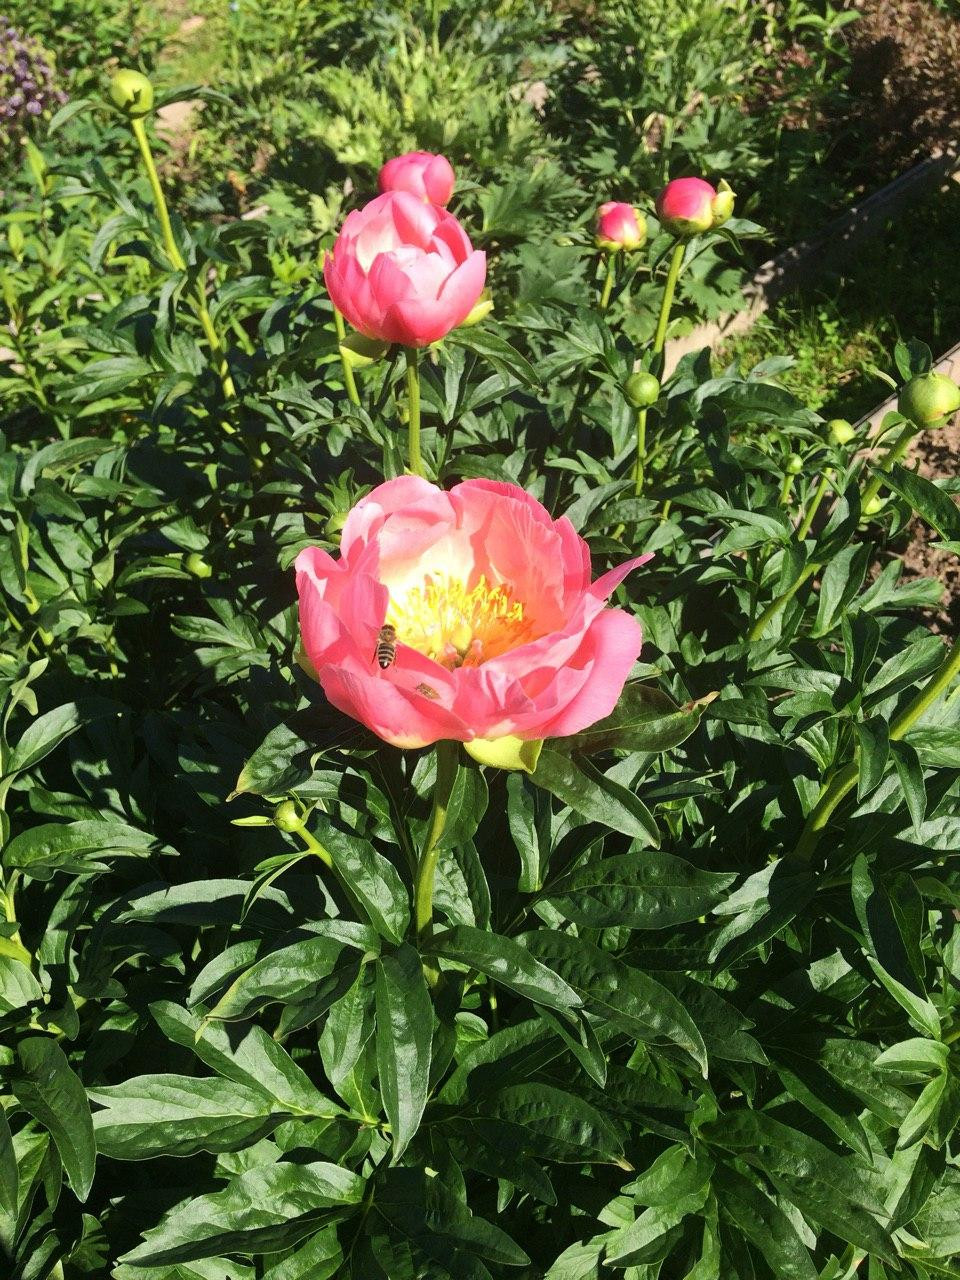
(508, 752)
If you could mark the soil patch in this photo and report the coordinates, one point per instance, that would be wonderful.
(936, 452)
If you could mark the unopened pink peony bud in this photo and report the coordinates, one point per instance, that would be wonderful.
(402, 270)
(423, 174)
(685, 206)
(619, 226)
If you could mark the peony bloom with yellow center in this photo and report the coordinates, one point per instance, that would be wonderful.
(498, 632)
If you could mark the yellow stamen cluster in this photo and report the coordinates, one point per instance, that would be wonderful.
(457, 627)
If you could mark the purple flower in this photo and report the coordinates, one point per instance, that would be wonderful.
(27, 82)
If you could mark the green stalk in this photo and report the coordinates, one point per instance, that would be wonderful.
(785, 489)
(641, 450)
(893, 455)
(845, 779)
(348, 379)
(413, 410)
(608, 281)
(448, 757)
(774, 607)
(803, 528)
(177, 260)
(666, 302)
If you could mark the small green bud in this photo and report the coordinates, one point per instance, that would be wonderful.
(928, 399)
(642, 390)
(874, 505)
(132, 93)
(794, 465)
(840, 431)
(287, 816)
(194, 563)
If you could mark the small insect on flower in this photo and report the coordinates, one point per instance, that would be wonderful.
(386, 650)
(428, 691)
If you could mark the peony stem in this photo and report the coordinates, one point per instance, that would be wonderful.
(349, 381)
(803, 528)
(641, 450)
(832, 792)
(666, 302)
(608, 281)
(448, 764)
(893, 455)
(413, 410)
(774, 607)
(179, 264)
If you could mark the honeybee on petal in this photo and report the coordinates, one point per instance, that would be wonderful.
(386, 650)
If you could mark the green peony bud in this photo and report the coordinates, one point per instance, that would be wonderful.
(874, 505)
(794, 465)
(132, 92)
(840, 431)
(287, 816)
(642, 390)
(194, 563)
(928, 399)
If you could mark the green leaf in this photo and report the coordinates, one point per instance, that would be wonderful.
(887, 953)
(404, 1040)
(282, 975)
(764, 1224)
(645, 719)
(525, 830)
(432, 1226)
(618, 993)
(559, 1126)
(841, 1193)
(652, 890)
(46, 733)
(910, 773)
(248, 1056)
(171, 1115)
(320, 1258)
(914, 1057)
(873, 741)
(9, 1175)
(507, 962)
(54, 1095)
(368, 877)
(78, 848)
(923, 1113)
(926, 498)
(593, 796)
(280, 763)
(499, 352)
(261, 1211)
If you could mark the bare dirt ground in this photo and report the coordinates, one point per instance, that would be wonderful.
(937, 453)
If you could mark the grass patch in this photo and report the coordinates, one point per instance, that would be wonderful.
(839, 332)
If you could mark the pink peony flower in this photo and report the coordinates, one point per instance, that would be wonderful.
(498, 631)
(619, 226)
(404, 271)
(685, 206)
(423, 174)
